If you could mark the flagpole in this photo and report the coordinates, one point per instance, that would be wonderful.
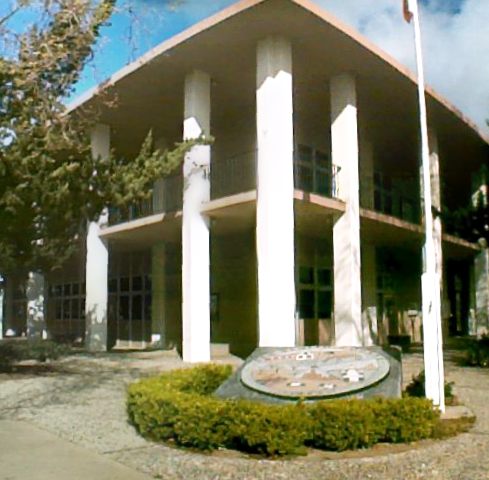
(430, 281)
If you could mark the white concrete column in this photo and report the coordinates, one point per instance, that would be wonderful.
(36, 323)
(481, 272)
(346, 231)
(97, 262)
(8, 312)
(436, 204)
(275, 193)
(369, 295)
(158, 297)
(195, 227)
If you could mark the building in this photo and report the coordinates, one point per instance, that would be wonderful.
(300, 225)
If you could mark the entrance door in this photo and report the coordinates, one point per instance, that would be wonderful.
(314, 306)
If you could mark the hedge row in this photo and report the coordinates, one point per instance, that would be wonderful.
(178, 407)
(16, 350)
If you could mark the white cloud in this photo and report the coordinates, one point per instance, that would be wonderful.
(456, 44)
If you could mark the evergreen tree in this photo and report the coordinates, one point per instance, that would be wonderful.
(50, 186)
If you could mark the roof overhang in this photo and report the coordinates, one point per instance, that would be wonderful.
(249, 20)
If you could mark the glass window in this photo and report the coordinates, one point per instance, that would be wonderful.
(75, 289)
(124, 307)
(58, 307)
(324, 277)
(147, 307)
(323, 183)
(124, 284)
(66, 309)
(306, 303)
(147, 283)
(67, 289)
(137, 283)
(305, 154)
(306, 275)
(75, 308)
(304, 179)
(137, 307)
(322, 159)
(324, 304)
(113, 285)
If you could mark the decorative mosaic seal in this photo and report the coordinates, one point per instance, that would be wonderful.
(314, 372)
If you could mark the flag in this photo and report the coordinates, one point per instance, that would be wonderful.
(407, 10)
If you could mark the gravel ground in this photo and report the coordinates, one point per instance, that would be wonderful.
(81, 399)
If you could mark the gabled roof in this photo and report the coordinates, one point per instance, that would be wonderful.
(276, 8)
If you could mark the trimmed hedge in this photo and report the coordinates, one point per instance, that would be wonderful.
(178, 406)
(13, 351)
(477, 353)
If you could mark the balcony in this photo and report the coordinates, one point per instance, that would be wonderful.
(232, 175)
(166, 197)
(394, 196)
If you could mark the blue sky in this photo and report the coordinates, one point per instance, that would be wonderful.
(456, 44)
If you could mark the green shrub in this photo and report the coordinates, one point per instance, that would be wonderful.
(417, 388)
(405, 420)
(178, 407)
(477, 353)
(16, 350)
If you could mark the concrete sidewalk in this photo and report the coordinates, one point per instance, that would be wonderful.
(27, 453)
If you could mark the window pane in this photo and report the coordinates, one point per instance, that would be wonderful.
(377, 179)
(377, 201)
(137, 305)
(304, 178)
(324, 304)
(124, 308)
(306, 275)
(147, 282)
(113, 285)
(66, 309)
(387, 204)
(59, 309)
(125, 284)
(323, 183)
(305, 154)
(147, 307)
(75, 289)
(67, 289)
(306, 303)
(322, 159)
(137, 284)
(324, 277)
(75, 308)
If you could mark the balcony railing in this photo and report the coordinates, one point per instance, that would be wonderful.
(394, 202)
(229, 176)
(322, 181)
(234, 174)
(166, 197)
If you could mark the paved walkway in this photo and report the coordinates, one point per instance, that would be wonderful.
(28, 453)
(78, 407)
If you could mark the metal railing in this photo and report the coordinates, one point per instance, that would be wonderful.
(229, 175)
(393, 202)
(166, 197)
(234, 174)
(322, 181)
